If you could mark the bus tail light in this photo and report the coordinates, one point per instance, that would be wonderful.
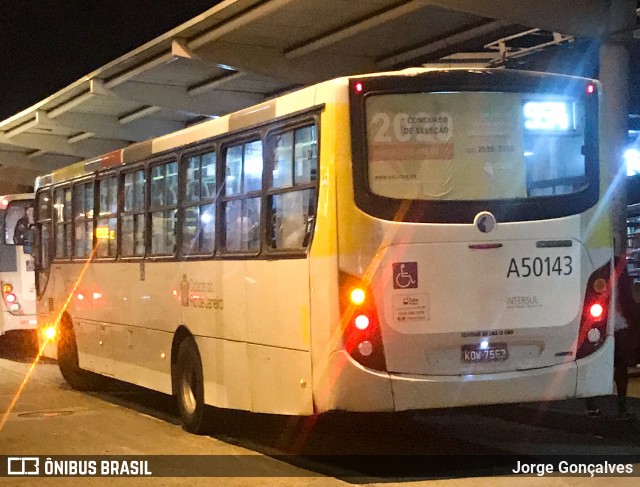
(10, 298)
(360, 325)
(595, 312)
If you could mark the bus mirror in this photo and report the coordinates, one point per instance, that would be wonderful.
(27, 243)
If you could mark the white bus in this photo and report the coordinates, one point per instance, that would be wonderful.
(419, 239)
(17, 277)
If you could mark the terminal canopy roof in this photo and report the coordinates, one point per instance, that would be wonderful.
(241, 52)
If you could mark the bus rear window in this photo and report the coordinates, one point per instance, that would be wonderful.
(18, 218)
(474, 145)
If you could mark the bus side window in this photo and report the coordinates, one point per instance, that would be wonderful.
(133, 218)
(106, 225)
(293, 218)
(242, 213)
(164, 200)
(292, 201)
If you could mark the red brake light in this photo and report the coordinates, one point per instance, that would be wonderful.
(359, 87)
(596, 310)
(362, 322)
(10, 298)
(590, 89)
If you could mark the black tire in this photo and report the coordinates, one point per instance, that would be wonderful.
(189, 387)
(77, 378)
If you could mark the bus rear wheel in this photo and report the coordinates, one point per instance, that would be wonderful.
(189, 386)
(77, 378)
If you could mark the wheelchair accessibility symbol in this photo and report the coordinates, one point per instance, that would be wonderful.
(405, 275)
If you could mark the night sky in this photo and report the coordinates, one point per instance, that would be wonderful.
(46, 45)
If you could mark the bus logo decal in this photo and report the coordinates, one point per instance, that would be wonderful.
(405, 275)
(184, 291)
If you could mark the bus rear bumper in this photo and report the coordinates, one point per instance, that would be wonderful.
(354, 388)
(12, 322)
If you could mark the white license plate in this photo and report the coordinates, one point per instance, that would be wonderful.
(496, 352)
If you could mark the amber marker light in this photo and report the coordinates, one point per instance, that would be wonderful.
(357, 296)
(50, 332)
(7, 288)
(599, 285)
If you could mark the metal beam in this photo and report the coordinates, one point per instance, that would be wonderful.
(71, 104)
(139, 69)
(58, 145)
(213, 83)
(20, 159)
(273, 64)
(109, 127)
(583, 18)
(178, 98)
(74, 139)
(236, 22)
(138, 114)
(358, 27)
(411, 55)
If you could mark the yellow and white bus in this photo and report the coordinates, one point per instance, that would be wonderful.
(419, 239)
(17, 277)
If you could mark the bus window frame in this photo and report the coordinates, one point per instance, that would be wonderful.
(180, 155)
(55, 224)
(79, 182)
(161, 160)
(464, 211)
(241, 140)
(122, 172)
(99, 177)
(293, 125)
(207, 148)
(42, 272)
(4, 219)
